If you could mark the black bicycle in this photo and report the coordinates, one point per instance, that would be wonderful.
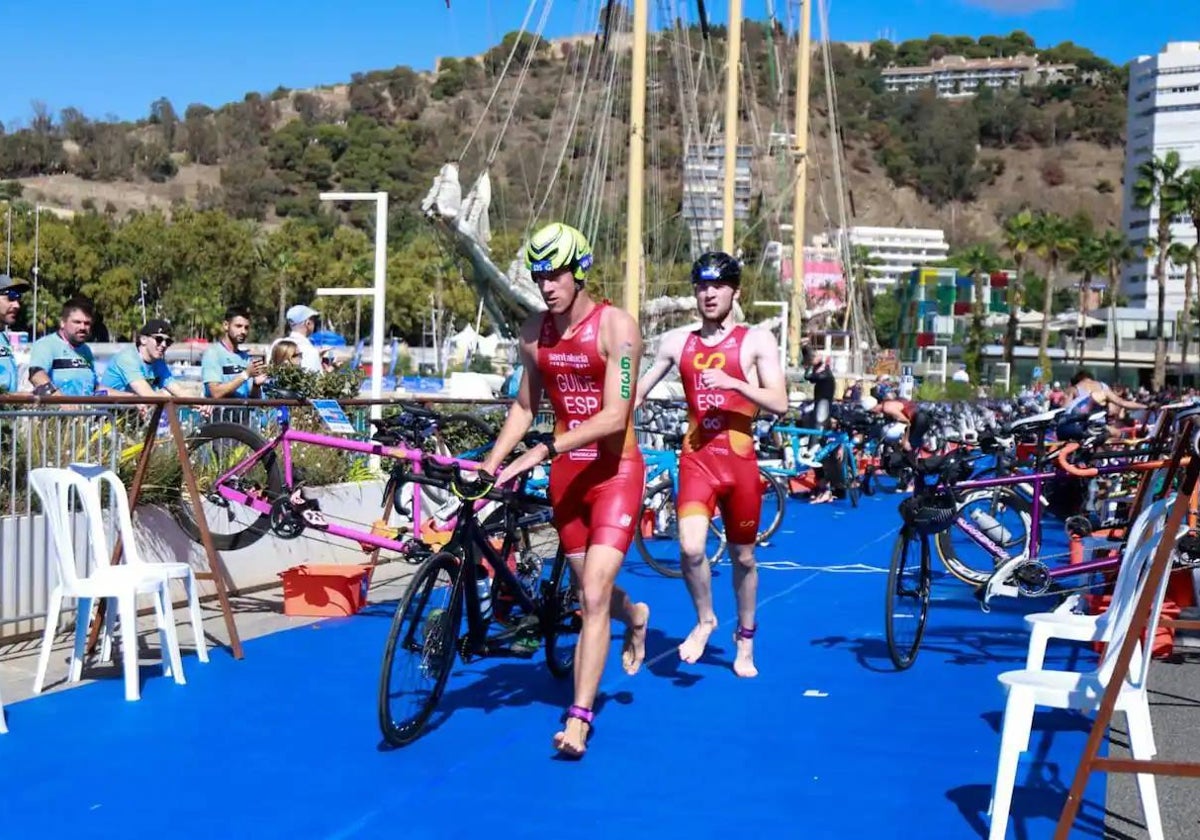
(477, 600)
(926, 513)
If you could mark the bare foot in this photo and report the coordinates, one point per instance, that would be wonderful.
(743, 663)
(635, 640)
(571, 742)
(693, 646)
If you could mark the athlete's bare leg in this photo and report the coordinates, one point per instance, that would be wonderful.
(693, 534)
(745, 588)
(600, 600)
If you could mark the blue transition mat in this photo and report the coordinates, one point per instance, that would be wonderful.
(828, 742)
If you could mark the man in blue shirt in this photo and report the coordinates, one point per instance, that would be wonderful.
(62, 361)
(10, 307)
(226, 370)
(141, 369)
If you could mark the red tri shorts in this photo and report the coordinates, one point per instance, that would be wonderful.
(708, 480)
(596, 502)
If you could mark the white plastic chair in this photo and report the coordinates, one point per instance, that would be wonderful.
(119, 583)
(98, 476)
(1083, 692)
(1097, 628)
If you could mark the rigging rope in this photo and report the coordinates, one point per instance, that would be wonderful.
(500, 79)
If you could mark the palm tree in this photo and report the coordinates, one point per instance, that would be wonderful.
(1018, 239)
(1191, 197)
(1089, 261)
(1159, 185)
(1186, 256)
(978, 261)
(1117, 252)
(1054, 239)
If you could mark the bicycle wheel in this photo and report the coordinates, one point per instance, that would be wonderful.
(1000, 514)
(562, 621)
(420, 648)
(657, 534)
(213, 451)
(907, 602)
(774, 502)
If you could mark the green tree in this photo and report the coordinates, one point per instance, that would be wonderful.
(1054, 240)
(1159, 187)
(1191, 198)
(1090, 260)
(1117, 253)
(1019, 235)
(978, 261)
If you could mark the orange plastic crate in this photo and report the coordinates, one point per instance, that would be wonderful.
(325, 590)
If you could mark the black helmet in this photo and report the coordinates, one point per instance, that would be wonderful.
(716, 265)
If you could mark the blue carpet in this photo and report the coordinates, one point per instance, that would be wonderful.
(828, 742)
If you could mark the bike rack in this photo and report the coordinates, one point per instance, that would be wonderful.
(1091, 761)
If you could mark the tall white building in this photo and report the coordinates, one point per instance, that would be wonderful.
(1164, 115)
(704, 190)
(894, 251)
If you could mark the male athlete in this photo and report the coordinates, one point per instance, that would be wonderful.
(584, 356)
(729, 371)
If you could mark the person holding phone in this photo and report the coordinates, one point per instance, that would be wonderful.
(226, 369)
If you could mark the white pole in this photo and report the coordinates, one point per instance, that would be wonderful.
(784, 306)
(377, 321)
(378, 292)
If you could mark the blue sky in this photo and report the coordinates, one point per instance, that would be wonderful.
(116, 58)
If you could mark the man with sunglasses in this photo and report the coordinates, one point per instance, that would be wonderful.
(62, 362)
(10, 307)
(141, 369)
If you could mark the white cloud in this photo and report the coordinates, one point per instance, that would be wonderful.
(1016, 7)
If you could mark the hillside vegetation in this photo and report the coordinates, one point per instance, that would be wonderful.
(252, 169)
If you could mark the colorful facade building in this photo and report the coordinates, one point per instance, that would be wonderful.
(936, 306)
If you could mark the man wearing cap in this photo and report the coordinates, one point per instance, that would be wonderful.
(303, 321)
(62, 362)
(141, 369)
(10, 307)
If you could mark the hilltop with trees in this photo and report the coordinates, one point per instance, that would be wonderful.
(219, 205)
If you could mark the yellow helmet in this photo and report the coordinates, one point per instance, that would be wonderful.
(558, 246)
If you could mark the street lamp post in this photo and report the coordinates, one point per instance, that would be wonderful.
(377, 290)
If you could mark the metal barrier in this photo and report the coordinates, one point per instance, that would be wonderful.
(57, 431)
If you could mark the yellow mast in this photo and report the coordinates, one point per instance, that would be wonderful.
(798, 303)
(732, 61)
(637, 149)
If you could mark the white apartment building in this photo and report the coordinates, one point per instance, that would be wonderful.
(1164, 115)
(955, 76)
(704, 192)
(894, 251)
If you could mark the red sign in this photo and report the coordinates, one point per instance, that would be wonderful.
(824, 283)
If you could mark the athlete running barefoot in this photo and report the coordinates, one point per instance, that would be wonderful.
(583, 356)
(729, 371)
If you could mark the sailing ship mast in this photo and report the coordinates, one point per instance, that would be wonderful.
(637, 149)
(733, 56)
(800, 150)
